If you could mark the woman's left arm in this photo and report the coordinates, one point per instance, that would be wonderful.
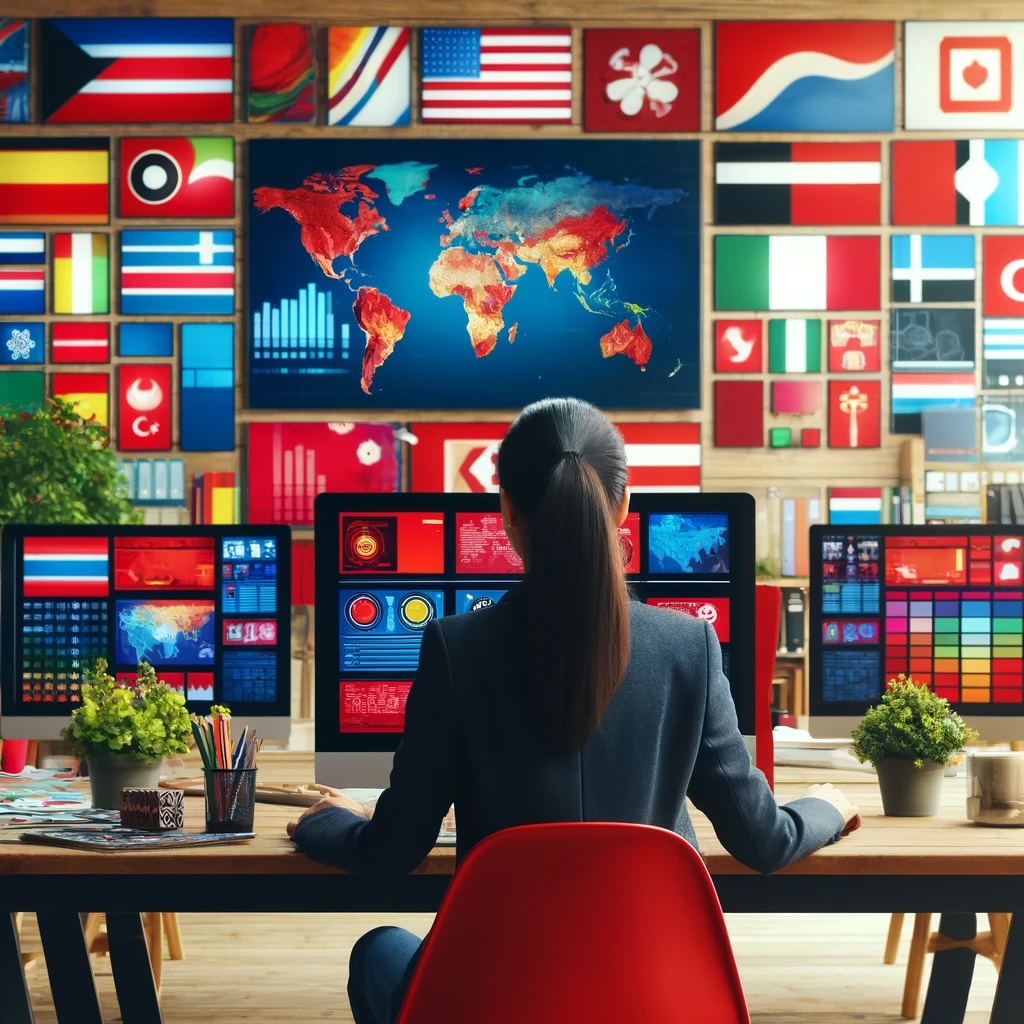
(409, 812)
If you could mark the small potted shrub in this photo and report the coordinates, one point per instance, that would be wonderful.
(909, 738)
(125, 730)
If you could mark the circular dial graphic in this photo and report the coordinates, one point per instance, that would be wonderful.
(154, 177)
(363, 611)
(415, 611)
(365, 544)
(481, 602)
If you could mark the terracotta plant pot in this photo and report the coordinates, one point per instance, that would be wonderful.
(110, 774)
(909, 792)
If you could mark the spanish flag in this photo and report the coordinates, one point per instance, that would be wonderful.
(54, 181)
(88, 392)
(81, 273)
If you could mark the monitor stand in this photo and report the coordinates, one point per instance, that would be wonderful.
(353, 771)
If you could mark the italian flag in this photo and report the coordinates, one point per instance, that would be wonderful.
(81, 273)
(797, 272)
(794, 346)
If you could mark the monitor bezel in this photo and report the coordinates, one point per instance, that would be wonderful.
(43, 720)
(738, 506)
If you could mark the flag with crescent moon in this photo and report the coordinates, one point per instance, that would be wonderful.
(144, 407)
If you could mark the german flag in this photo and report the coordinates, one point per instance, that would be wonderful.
(54, 181)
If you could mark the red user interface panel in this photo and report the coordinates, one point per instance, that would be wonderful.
(389, 565)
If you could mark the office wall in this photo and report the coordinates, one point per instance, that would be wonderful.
(723, 468)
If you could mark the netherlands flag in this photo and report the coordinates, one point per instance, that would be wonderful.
(137, 70)
(855, 505)
(169, 272)
(66, 567)
(494, 74)
(22, 291)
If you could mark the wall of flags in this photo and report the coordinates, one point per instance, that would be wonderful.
(862, 238)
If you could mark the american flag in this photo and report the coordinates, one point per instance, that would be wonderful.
(495, 74)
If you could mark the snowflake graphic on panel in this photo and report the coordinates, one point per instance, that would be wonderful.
(20, 343)
(646, 80)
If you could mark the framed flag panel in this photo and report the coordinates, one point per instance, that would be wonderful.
(738, 346)
(369, 83)
(81, 273)
(855, 505)
(14, 59)
(854, 413)
(963, 75)
(22, 247)
(739, 413)
(1002, 281)
(80, 341)
(22, 290)
(136, 70)
(496, 75)
(853, 346)
(146, 339)
(794, 346)
(164, 272)
(1002, 349)
(641, 80)
(23, 342)
(144, 407)
(931, 340)
(177, 177)
(798, 183)
(23, 390)
(507, 300)
(913, 393)
(796, 397)
(797, 272)
(88, 392)
(54, 181)
(207, 396)
(804, 76)
(280, 73)
(933, 268)
(289, 464)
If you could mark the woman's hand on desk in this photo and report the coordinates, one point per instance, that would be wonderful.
(839, 800)
(331, 798)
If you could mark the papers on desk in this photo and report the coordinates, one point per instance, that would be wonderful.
(130, 838)
(799, 748)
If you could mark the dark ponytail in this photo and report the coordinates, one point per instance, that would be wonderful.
(563, 467)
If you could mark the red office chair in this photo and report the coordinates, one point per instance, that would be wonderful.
(767, 610)
(595, 922)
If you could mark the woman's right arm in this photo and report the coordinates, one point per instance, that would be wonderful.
(736, 796)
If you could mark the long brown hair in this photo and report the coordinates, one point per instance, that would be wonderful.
(562, 465)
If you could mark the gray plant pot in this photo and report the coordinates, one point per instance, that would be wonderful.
(109, 775)
(909, 792)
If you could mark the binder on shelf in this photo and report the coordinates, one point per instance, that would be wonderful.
(793, 616)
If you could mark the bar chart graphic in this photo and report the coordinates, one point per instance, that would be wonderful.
(299, 335)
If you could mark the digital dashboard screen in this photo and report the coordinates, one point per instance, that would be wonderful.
(943, 604)
(208, 607)
(389, 565)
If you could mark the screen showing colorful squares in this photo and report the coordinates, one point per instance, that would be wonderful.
(399, 570)
(208, 608)
(943, 604)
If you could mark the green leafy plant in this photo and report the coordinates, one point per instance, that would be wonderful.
(56, 467)
(144, 721)
(911, 723)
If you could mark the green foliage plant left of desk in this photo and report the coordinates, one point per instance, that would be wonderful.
(56, 467)
(124, 731)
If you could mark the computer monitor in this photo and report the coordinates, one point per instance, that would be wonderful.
(942, 603)
(208, 606)
(387, 564)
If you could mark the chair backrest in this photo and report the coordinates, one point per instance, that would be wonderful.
(767, 612)
(597, 922)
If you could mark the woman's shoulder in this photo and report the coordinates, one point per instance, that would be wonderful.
(665, 624)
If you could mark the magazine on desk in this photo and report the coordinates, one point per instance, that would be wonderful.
(130, 838)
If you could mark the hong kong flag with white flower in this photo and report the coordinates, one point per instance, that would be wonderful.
(641, 80)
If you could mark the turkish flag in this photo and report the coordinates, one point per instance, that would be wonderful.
(1003, 263)
(144, 407)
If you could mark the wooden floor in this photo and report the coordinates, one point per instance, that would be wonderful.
(291, 969)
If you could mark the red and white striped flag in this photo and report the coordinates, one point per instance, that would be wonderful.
(81, 343)
(496, 74)
(662, 456)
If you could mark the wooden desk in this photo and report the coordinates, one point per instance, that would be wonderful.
(943, 864)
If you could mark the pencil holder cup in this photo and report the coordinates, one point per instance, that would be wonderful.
(230, 799)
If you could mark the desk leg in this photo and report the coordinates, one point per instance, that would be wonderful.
(67, 963)
(17, 1008)
(133, 975)
(1010, 986)
(952, 970)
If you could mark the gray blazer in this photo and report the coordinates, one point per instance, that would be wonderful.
(669, 732)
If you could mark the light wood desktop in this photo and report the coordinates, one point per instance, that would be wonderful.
(943, 864)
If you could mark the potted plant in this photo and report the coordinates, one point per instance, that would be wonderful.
(124, 730)
(909, 738)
